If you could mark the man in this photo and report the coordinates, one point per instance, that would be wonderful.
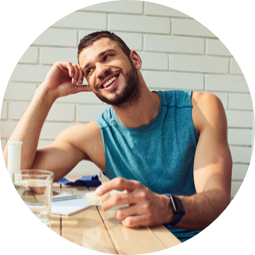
(169, 150)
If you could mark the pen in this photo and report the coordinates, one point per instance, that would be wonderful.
(64, 198)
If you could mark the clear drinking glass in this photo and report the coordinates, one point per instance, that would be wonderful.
(35, 189)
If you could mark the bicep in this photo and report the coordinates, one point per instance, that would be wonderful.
(213, 162)
(61, 156)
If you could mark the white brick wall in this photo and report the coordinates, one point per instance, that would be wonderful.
(253, 133)
(190, 27)
(176, 44)
(78, 19)
(4, 111)
(122, 7)
(19, 91)
(216, 47)
(202, 64)
(174, 80)
(29, 73)
(86, 113)
(240, 119)
(161, 10)
(177, 53)
(57, 37)
(30, 56)
(50, 55)
(139, 23)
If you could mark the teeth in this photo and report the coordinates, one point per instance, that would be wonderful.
(109, 82)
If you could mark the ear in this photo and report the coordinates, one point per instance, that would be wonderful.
(135, 58)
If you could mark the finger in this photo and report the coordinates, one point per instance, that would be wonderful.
(136, 221)
(82, 88)
(118, 183)
(76, 74)
(70, 68)
(118, 199)
(130, 210)
(81, 77)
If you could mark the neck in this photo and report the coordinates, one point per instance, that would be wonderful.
(141, 112)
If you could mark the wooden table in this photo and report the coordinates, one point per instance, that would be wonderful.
(100, 231)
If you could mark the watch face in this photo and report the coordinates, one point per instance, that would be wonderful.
(178, 206)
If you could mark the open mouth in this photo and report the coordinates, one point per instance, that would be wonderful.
(110, 82)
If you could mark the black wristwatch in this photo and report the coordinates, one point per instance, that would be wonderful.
(178, 209)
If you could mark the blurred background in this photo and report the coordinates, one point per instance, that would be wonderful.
(177, 53)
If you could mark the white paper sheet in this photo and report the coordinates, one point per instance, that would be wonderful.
(68, 207)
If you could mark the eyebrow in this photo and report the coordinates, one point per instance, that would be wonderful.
(100, 55)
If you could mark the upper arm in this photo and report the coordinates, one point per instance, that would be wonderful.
(213, 162)
(64, 153)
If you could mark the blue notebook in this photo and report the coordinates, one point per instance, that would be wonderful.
(89, 181)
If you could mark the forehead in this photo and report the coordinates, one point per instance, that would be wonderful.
(91, 52)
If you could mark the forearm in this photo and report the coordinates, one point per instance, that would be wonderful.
(202, 209)
(29, 127)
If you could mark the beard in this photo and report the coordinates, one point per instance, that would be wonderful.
(129, 94)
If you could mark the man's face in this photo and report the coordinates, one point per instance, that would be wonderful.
(109, 72)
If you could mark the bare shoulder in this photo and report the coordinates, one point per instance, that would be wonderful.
(206, 101)
(208, 111)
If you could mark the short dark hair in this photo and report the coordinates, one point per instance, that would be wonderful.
(91, 38)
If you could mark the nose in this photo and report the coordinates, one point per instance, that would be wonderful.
(102, 71)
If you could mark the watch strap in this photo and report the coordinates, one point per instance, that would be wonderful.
(177, 218)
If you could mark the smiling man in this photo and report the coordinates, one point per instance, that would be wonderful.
(167, 150)
(123, 73)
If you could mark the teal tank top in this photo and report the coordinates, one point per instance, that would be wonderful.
(160, 154)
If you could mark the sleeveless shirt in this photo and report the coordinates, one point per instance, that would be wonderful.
(160, 154)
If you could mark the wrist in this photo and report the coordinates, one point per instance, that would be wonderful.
(43, 92)
(177, 209)
(170, 211)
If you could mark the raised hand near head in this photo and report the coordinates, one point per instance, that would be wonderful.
(65, 78)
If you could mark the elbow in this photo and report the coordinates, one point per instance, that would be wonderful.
(223, 204)
(219, 206)
(24, 164)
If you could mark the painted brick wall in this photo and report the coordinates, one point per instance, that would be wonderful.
(177, 53)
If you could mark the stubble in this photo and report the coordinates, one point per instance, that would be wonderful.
(130, 93)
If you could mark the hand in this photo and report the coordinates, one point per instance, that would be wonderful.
(62, 79)
(145, 208)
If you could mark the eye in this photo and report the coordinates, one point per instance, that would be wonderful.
(89, 70)
(107, 57)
